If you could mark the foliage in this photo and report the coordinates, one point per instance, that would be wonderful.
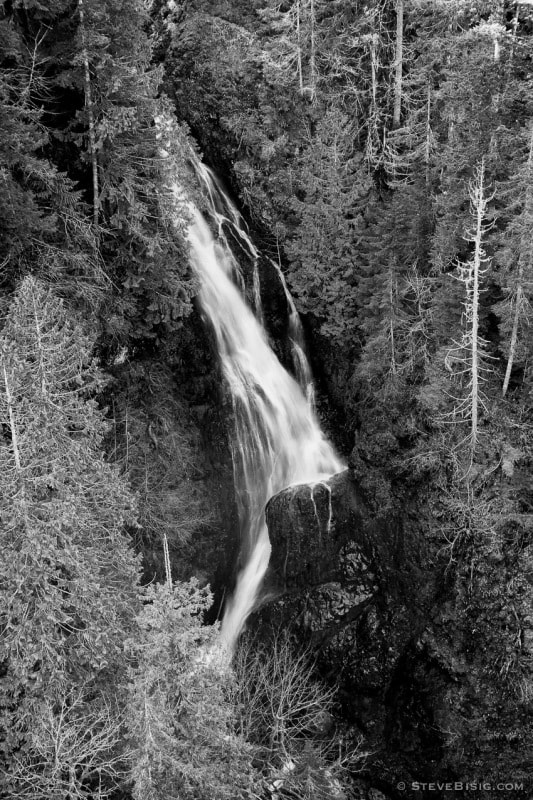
(180, 721)
(328, 202)
(156, 443)
(287, 713)
(69, 575)
(79, 97)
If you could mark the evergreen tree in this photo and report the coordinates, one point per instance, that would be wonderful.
(127, 243)
(323, 258)
(398, 64)
(292, 52)
(25, 176)
(468, 100)
(143, 229)
(180, 720)
(68, 575)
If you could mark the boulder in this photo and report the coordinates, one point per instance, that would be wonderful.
(353, 581)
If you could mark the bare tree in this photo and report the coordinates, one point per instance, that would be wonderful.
(518, 300)
(90, 110)
(76, 750)
(468, 357)
(286, 712)
(398, 65)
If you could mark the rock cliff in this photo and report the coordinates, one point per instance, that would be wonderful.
(390, 628)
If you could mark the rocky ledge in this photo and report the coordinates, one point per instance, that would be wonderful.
(391, 628)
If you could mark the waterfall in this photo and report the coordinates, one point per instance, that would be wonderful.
(277, 438)
(297, 339)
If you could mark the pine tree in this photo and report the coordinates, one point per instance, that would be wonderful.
(90, 111)
(333, 186)
(23, 174)
(43, 217)
(180, 720)
(68, 576)
(292, 54)
(470, 128)
(100, 54)
(384, 328)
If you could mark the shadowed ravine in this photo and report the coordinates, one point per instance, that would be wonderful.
(277, 439)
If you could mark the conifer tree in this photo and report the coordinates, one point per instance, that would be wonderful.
(180, 720)
(292, 53)
(470, 128)
(90, 112)
(24, 175)
(68, 575)
(139, 230)
(333, 188)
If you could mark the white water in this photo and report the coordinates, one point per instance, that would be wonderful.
(297, 339)
(277, 439)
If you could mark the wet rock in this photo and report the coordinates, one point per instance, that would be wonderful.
(310, 526)
(354, 582)
(432, 664)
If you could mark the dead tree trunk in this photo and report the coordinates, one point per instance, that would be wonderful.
(90, 112)
(398, 63)
(525, 258)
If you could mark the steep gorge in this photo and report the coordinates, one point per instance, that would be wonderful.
(411, 582)
(410, 572)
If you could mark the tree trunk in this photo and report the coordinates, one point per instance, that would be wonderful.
(392, 304)
(374, 67)
(90, 113)
(398, 65)
(514, 332)
(526, 247)
(479, 203)
(312, 56)
(12, 425)
(427, 157)
(16, 448)
(299, 46)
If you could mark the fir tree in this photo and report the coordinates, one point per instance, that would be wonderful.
(323, 259)
(143, 230)
(292, 54)
(180, 720)
(68, 575)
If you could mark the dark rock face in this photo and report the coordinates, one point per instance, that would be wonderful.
(307, 539)
(391, 630)
(353, 581)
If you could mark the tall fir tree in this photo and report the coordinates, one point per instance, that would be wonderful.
(333, 186)
(181, 721)
(69, 576)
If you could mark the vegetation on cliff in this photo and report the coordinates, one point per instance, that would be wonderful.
(382, 151)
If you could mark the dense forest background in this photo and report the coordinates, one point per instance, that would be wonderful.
(382, 154)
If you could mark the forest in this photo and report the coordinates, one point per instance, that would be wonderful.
(349, 382)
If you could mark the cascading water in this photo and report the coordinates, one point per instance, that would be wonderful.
(277, 441)
(297, 340)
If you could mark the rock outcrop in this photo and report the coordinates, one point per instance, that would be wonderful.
(393, 629)
(353, 582)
